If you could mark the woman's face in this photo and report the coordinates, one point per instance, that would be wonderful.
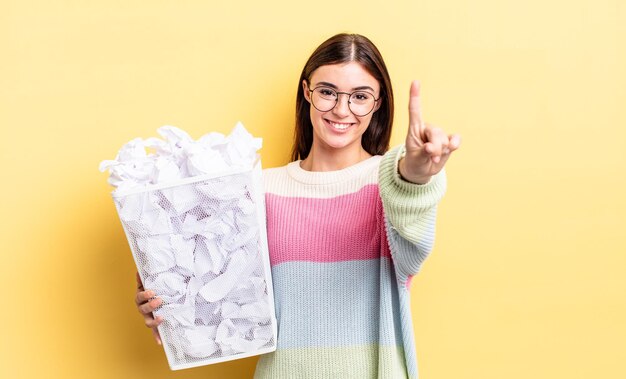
(339, 128)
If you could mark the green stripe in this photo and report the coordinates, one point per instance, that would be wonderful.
(411, 209)
(358, 362)
(406, 203)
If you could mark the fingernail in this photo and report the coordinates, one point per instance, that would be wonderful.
(436, 159)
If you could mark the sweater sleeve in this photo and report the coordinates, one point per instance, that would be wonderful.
(410, 213)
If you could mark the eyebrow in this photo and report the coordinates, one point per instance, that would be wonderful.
(331, 85)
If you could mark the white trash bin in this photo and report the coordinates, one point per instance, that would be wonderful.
(201, 245)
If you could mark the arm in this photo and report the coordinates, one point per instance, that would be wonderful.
(410, 213)
(412, 182)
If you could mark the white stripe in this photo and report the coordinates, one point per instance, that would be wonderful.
(288, 180)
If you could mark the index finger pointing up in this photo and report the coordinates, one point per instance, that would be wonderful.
(415, 108)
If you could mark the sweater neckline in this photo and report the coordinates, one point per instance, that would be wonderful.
(327, 177)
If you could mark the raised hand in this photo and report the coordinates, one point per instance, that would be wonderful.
(427, 147)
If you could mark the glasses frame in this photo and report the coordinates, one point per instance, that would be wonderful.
(337, 100)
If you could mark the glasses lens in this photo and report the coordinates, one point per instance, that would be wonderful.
(361, 103)
(324, 99)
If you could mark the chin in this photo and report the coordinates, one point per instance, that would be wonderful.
(343, 139)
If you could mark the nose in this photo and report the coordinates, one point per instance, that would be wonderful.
(342, 108)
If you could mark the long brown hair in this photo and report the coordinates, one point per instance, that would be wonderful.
(344, 48)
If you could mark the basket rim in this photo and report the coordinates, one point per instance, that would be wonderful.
(192, 179)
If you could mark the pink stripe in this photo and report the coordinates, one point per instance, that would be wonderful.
(409, 279)
(342, 228)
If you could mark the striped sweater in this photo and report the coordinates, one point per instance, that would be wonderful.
(343, 248)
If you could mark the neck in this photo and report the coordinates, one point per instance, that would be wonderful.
(324, 159)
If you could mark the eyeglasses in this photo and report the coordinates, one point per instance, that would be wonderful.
(361, 103)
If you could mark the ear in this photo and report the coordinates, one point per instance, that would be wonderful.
(305, 89)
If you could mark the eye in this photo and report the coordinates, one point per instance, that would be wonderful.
(362, 96)
(327, 92)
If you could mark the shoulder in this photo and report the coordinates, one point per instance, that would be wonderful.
(273, 177)
(369, 174)
(274, 172)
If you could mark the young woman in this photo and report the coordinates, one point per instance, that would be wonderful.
(349, 223)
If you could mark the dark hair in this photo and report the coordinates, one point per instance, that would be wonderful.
(344, 48)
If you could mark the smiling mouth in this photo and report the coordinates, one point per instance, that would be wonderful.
(338, 125)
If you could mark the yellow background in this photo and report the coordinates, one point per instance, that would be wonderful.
(528, 276)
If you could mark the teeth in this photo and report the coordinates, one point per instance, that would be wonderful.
(339, 126)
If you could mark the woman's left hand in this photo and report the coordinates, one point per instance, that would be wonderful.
(428, 148)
